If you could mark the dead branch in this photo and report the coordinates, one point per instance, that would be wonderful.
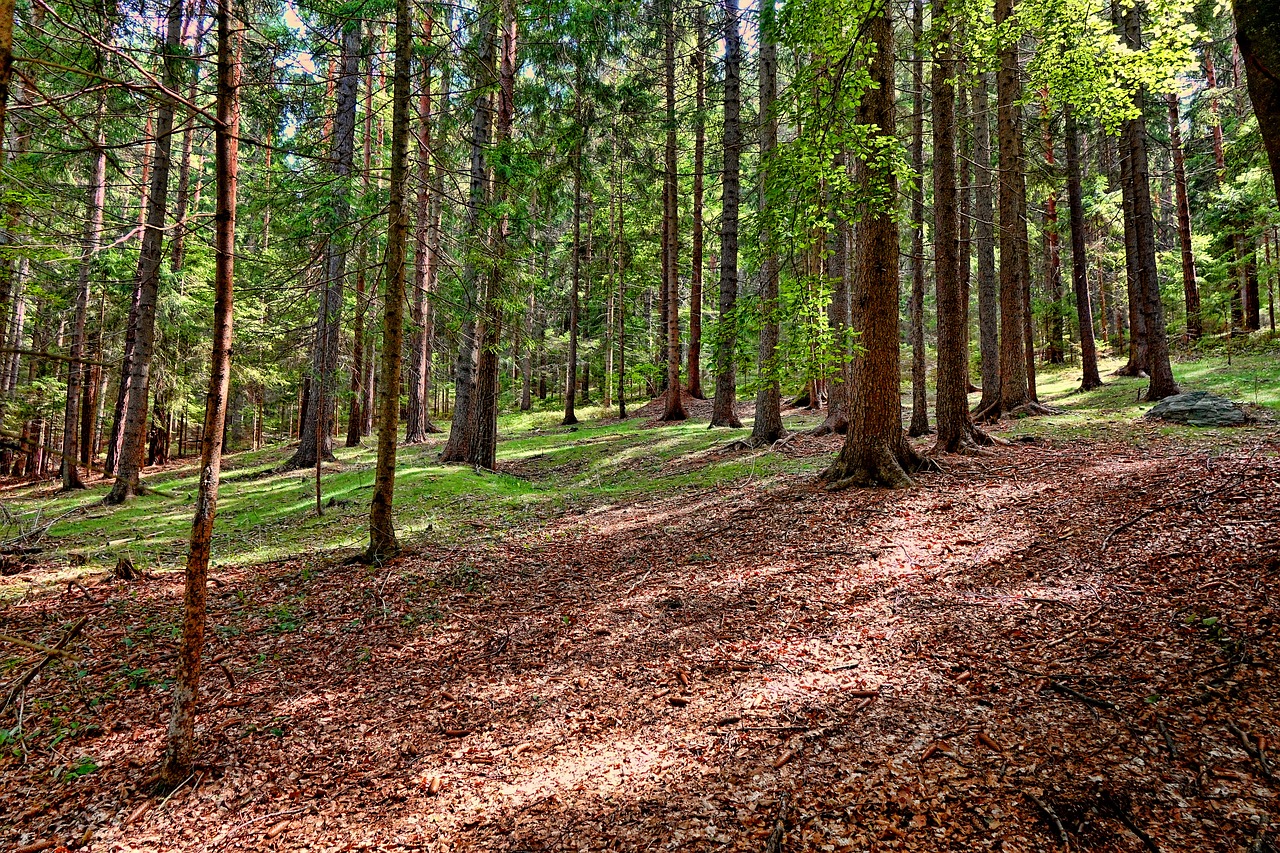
(53, 652)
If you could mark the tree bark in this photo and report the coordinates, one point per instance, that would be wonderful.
(985, 247)
(724, 408)
(180, 746)
(875, 451)
(956, 432)
(315, 443)
(767, 427)
(1190, 289)
(1258, 35)
(695, 259)
(673, 409)
(133, 430)
(382, 533)
(1055, 352)
(1079, 261)
(915, 309)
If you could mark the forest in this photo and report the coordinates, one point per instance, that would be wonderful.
(703, 425)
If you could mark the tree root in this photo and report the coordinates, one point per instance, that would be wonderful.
(879, 465)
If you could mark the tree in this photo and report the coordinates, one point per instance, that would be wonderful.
(180, 746)
(133, 422)
(382, 533)
(673, 409)
(875, 451)
(1190, 289)
(984, 242)
(1258, 34)
(956, 432)
(724, 411)
(699, 159)
(1079, 263)
(915, 309)
(767, 427)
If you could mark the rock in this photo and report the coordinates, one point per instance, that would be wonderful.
(1199, 408)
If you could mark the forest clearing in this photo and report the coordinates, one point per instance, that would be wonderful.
(692, 425)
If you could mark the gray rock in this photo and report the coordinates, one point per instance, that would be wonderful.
(1199, 408)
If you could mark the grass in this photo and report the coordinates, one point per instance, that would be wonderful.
(545, 470)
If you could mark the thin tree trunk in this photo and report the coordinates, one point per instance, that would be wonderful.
(673, 410)
(382, 533)
(915, 308)
(1055, 352)
(418, 416)
(1079, 262)
(767, 427)
(724, 408)
(699, 148)
(575, 260)
(1190, 289)
(985, 247)
(180, 746)
(133, 431)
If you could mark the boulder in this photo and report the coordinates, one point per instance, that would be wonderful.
(1199, 408)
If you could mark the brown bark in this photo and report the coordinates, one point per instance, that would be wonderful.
(133, 430)
(724, 409)
(571, 372)
(1190, 289)
(875, 451)
(382, 534)
(1055, 352)
(695, 259)
(915, 306)
(985, 247)
(180, 746)
(673, 409)
(767, 427)
(1079, 261)
(1258, 37)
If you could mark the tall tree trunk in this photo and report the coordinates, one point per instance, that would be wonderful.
(356, 408)
(382, 532)
(956, 432)
(182, 203)
(1015, 273)
(915, 310)
(1190, 289)
(985, 246)
(673, 409)
(724, 408)
(1079, 262)
(964, 125)
(875, 451)
(1258, 36)
(837, 272)
(418, 416)
(767, 427)
(1055, 352)
(180, 746)
(483, 448)
(78, 372)
(571, 366)
(1162, 384)
(464, 377)
(699, 149)
(315, 442)
(133, 431)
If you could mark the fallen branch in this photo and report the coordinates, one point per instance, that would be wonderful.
(1050, 815)
(1058, 687)
(37, 647)
(1254, 752)
(1162, 507)
(31, 673)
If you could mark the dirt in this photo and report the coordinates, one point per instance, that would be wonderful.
(1055, 639)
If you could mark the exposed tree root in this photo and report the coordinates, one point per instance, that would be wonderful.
(1130, 370)
(833, 425)
(879, 465)
(992, 412)
(972, 441)
(753, 443)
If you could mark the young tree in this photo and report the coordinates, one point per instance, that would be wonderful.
(984, 243)
(699, 159)
(180, 745)
(1190, 289)
(1079, 263)
(673, 409)
(875, 451)
(382, 533)
(724, 410)
(915, 310)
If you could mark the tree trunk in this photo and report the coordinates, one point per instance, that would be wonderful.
(915, 310)
(1190, 289)
(1079, 261)
(985, 247)
(724, 408)
(418, 423)
(180, 746)
(956, 432)
(875, 451)
(1162, 384)
(1258, 36)
(1055, 352)
(78, 373)
(464, 377)
(382, 533)
(133, 430)
(699, 148)
(673, 409)
(571, 372)
(767, 427)
(315, 441)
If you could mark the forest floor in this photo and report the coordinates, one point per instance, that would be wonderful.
(626, 639)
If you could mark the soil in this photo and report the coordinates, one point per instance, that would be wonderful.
(1055, 640)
